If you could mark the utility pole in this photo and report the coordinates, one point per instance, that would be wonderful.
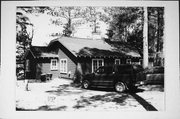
(145, 39)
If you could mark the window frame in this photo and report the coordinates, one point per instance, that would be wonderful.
(127, 61)
(62, 68)
(97, 63)
(54, 67)
(119, 60)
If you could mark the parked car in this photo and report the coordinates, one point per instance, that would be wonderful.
(119, 77)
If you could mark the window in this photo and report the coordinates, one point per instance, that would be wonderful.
(63, 66)
(27, 65)
(117, 61)
(96, 63)
(128, 61)
(54, 64)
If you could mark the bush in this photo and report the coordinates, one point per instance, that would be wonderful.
(154, 75)
(155, 79)
(154, 70)
(77, 77)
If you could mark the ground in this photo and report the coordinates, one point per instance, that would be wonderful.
(60, 94)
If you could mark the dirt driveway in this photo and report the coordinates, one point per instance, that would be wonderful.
(59, 94)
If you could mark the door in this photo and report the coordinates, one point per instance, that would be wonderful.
(96, 81)
(103, 77)
(107, 77)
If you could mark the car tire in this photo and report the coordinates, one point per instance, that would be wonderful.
(85, 84)
(120, 87)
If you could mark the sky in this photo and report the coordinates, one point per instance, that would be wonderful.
(43, 28)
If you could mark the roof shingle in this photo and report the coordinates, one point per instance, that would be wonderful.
(42, 51)
(89, 47)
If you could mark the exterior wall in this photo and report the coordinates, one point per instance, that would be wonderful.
(86, 65)
(71, 65)
(86, 62)
(44, 66)
(109, 61)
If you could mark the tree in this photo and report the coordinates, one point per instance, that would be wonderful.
(73, 16)
(145, 39)
(93, 16)
(24, 32)
(24, 35)
(156, 33)
(126, 28)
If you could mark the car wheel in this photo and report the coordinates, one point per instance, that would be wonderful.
(120, 87)
(85, 84)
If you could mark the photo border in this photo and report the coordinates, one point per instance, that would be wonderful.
(8, 62)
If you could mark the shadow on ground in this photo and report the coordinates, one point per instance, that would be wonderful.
(64, 90)
(144, 103)
(44, 108)
(96, 100)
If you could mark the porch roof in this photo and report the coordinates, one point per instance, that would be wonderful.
(42, 51)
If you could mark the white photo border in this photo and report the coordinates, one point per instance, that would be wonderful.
(8, 61)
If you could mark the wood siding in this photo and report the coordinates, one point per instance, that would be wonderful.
(44, 66)
(71, 65)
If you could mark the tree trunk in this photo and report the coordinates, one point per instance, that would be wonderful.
(145, 39)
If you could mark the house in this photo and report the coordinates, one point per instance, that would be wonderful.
(40, 60)
(64, 56)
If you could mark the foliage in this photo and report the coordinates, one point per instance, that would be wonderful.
(92, 16)
(73, 17)
(154, 70)
(156, 33)
(126, 28)
(67, 30)
(24, 35)
(77, 16)
(24, 32)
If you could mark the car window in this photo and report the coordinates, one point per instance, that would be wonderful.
(100, 70)
(104, 70)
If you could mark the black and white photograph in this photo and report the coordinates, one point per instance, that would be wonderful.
(90, 58)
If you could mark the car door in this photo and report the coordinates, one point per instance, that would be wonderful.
(97, 80)
(107, 77)
(125, 73)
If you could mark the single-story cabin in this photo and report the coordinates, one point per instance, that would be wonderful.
(64, 56)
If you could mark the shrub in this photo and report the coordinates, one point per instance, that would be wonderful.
(154, 70)
(154, 75)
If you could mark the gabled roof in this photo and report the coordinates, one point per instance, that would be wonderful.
(41, 51)
(89, 47)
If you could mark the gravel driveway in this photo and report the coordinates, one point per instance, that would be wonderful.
(59, 94)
